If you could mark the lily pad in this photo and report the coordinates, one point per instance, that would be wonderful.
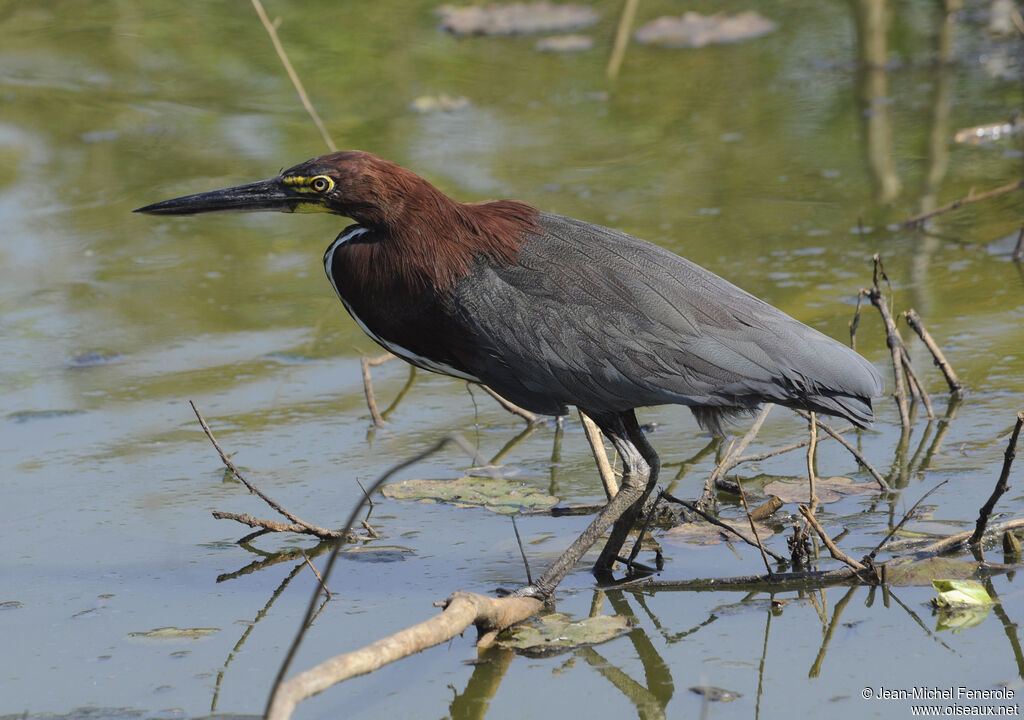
(703, 533)
(173, 633)
(516, 18)
(923, 572)
(557, 633)
(496, 494)
(828, 490)
(694, 30)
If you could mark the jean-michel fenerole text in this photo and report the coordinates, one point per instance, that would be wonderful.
(947, 693)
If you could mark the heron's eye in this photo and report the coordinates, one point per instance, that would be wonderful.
(321, 184)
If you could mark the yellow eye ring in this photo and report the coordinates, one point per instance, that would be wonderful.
(321, 184)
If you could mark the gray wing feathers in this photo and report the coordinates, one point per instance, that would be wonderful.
(596, 318)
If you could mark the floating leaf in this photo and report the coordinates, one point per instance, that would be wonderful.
(495, 494)
(828, 490)
(702, 533)
(960, 594)
(694, 30)
(516, 18)
(558, 633)
(922, 572)
(173, 633)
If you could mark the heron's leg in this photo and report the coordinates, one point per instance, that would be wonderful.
(645, 482)
(634, 481)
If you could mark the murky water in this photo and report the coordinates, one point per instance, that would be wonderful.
(758, 160)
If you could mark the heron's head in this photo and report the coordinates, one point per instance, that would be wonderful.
(351, 183)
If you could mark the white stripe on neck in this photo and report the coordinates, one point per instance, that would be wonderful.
(407, 355)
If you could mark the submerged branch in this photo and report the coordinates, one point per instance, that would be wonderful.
(461, 610)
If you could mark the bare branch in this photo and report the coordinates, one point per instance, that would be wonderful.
(833, 550)
(512, 407)
(715, 521)
(596, 441)
(249, 486)
(733, 457)
(461, 611)
(906, 516)
(863, 461)
(972, 198)
(274, 526)
(371, 397)
(1002, 485)
(753, 529)
(914, 321)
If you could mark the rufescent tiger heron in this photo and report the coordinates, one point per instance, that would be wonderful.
(550, 311)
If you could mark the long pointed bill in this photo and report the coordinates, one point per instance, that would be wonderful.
(263, 195)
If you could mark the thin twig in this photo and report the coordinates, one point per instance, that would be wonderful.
(271, 29)
(914, 321)
(596, 441)
(371, 397)
(1002, 485)
(512, 407)
(863, 461)
(947, 543)
(621, 38)
(916, 386)
(365, 494)
(732, 457)
(812, 446)
(801, 579)
(855, 322)
(715, 521)
(753, 529)
(838, 554)
(972, 198)
(238, 475)
(275, 526)
(892, 339)
(906, 516)
(522, 550)
(316, 572)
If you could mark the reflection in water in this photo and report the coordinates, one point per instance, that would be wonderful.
(489, 670)
(872, 21)
(270, 559)
(937, 160)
